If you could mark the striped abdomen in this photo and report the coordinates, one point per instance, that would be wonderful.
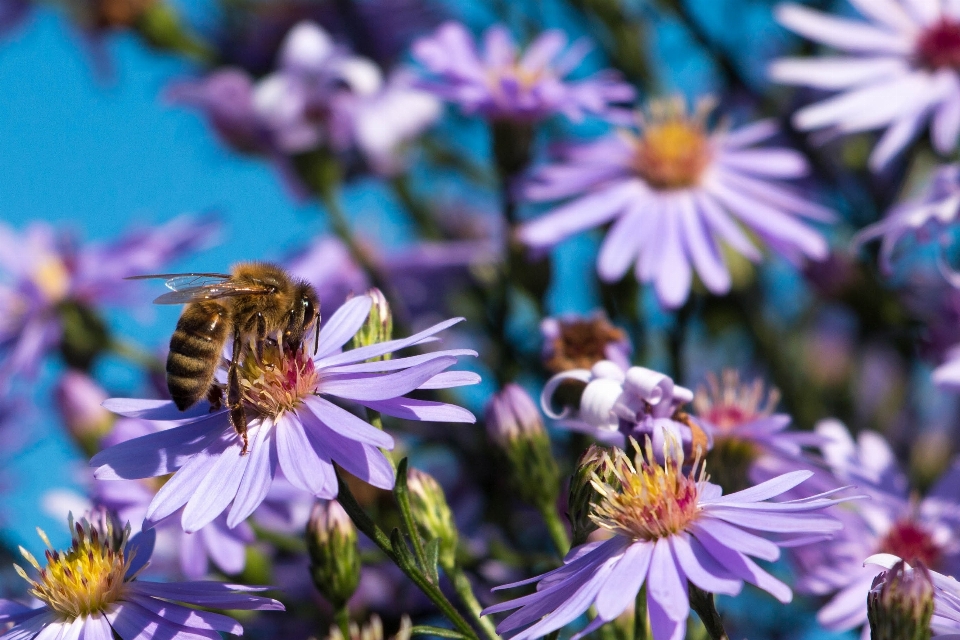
(195, 350)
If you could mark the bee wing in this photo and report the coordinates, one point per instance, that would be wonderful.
(195, 287)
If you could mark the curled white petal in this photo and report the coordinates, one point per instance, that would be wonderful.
(551, 387)
(598, 401)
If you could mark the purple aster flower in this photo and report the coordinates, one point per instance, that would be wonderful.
(896, 72)
(928, 214)
(79, 399)
(292, 425)
(578, 342)
(502, 83)
(946, 596)
(93, 590)
(614, 404)
(672, 192)
(668, 530)
(43, 273)
(889, 522)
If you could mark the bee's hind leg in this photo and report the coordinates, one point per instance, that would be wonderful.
(215, 397)
(238, 417)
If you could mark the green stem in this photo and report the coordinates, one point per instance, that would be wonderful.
(427, 630)
(342, 616)
(136, 354)
(402, 495)
(702, 602)
(461, 584)
(558, 533)
(379, 538)
(640, 616)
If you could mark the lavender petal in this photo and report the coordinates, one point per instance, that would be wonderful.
(425, 410)
(343, 325)
(258, 475)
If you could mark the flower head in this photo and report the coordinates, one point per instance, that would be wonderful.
(945, 621)
(900, 603)
(897, 71)
(670, 528)
(674, 189)
(500, 83)
(292, 426)
(92, 590)
(579, 342)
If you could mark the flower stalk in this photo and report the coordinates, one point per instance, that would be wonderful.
(702, 602)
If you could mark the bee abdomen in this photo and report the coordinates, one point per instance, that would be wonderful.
(195, 351)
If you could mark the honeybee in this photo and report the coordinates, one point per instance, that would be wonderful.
(257, 304)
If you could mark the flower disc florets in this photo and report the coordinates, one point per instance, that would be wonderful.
(938, 46)
(912, 542)
(87, 577)
(674, 147)
(277, 382)
(652, 500)
(728, 404)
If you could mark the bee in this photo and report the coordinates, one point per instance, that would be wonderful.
(258, 304)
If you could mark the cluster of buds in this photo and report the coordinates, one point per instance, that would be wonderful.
(432, 515)
(514, 424)
(334, 552)
(379, 325)
(900, 603)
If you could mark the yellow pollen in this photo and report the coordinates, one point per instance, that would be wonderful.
(279, 382)
(673, 149)
(652, 500)
(87, 577)
(52, 278)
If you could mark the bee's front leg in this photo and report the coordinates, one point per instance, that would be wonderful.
(238, 417)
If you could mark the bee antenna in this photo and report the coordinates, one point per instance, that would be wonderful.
(316, 340)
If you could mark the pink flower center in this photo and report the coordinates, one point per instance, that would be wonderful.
(939, 46)
(910, 541)
(278, 382)
(727, 404)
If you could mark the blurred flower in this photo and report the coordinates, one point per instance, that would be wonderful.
(671, 191)
(750, 442)
(935, 207)
(669, 530)
(79, 399)
(93, 590)
(291, 425)
(334, 553)
(502, 84)
(12, 14)
(579, 342)
(946, 594)
(889, 522)
(900, 603)
(898, 71)
(616, 404)
(372, 630)
(50, 287)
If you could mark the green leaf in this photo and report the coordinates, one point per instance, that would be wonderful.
(432, 552)
(427, 630)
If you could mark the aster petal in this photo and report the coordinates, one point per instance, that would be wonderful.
(96, 627)
(194, 561)
(10, 610)
(226, 547)
(719, 221)
(397, 363)
(627, 576)
(836, 72)
(670, 587)
(846, 609)
(887, 12)
(130, 621)
(748, 134)
(896, 138)
(542, 50)
(258, 476)
(347, 424)
(622, 242)
(744, 568)
(700, 568)
(139, 550)
(945, 128)
(766, 490)
(381, 387)
(363, 461)
(181, 487)
(868, 107)
(580, 214)
(674, 274)
(218, 595)
(29, 628)
(375, 350)
(54, 630)
(661, 626)
(343, 324)
(840, 33)
(152, 409)
(778, 196)
(498, 47)
(157, 454)
(736, 538)
(425, 410)
(775, 520)
(590, 554)
(702, 248)
(190, 618)
(217, 489)
(299, 460)
(451, 379)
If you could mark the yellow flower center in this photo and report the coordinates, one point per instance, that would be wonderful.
(52, 278)
(84, 579)
(673, 149)
(278, 382)
(652, 500)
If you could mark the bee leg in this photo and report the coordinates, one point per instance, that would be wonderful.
(261, 335)
(238, 418)
(316, 339)
(215, 397)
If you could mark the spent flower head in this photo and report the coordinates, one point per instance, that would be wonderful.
(579, 342)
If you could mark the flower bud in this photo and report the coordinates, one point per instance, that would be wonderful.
(334, 552)
(900, 604)
(432, 514)
(372, 630)
(379, 325)
(514, 424)
(79, 400)
(594, 464)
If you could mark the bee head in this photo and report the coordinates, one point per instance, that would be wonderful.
(305, 311)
